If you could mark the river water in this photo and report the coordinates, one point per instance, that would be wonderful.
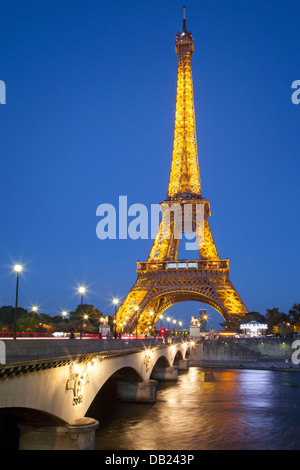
(217, 410)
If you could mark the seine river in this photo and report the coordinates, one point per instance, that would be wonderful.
(223, 410)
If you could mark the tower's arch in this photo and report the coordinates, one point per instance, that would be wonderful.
(158, 304)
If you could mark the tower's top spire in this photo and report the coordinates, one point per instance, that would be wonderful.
(184, 37)
(184, 21)
(185, 176)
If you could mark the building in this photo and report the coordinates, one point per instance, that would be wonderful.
(253, 328)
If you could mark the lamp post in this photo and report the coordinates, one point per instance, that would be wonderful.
(34, 311)
(101, 321)
(136, 308)
(151, 324)
(116, 303)
(85, 317)
(17, 268)
(81, 291)
(205, 318)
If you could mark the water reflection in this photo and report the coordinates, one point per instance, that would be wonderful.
(225, 409)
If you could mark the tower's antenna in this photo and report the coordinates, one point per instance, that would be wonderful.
(184, 20)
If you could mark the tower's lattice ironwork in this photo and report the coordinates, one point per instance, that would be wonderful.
(162, 280)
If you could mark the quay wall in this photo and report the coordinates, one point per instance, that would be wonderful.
(244, 349)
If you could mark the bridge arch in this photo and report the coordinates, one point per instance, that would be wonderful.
(30, 415)
(178, 357)
(162, 361)
(109, 392)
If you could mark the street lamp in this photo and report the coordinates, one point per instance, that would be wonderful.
(101, 320)
(174, 323)
(116, 302)
(205, 318)
(137, 320)
(81, 291)
(151, 324)
(34, 311)
(17, 268)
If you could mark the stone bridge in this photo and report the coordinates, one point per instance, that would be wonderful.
(49, 394)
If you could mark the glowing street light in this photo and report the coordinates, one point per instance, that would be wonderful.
(34, 310)
(136, 308)
(81, 291)
(101, 320)
(173, 329)
(152, 320)
(116, 303)
(17, 268)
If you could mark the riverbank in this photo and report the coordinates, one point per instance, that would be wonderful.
(272, 364)
(243, 353)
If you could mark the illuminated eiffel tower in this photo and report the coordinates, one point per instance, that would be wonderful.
(162, 280)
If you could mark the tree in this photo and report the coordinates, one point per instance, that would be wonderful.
(92, 322)
(7, 313)
(25, 323)
(294, 313)
(285, 330)
(274, 317)
(253, 316)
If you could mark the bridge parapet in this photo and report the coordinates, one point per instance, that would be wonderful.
(27, 349)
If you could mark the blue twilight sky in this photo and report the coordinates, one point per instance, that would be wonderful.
(89, 116)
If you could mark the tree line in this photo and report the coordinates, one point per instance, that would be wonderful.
(283, 324)
(278, 322)
(29, 321)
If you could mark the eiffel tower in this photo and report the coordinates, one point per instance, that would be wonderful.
(162, 280)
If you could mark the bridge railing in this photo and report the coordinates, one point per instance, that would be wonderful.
(28, 349)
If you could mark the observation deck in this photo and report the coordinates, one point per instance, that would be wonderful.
(183, 265)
